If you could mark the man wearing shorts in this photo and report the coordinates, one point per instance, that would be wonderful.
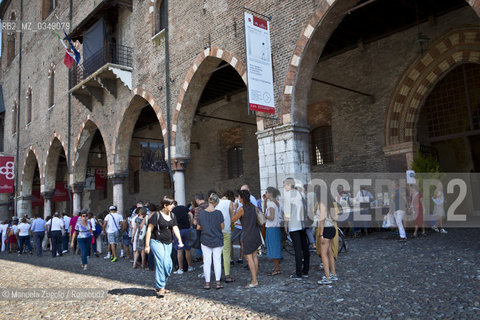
(112, 226)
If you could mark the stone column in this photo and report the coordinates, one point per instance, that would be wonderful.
(47, 203)
(117, 181)
(178, 166)
(24, 206)
(77, 189)
(283, 151)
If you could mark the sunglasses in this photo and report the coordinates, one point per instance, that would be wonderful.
(84, 215)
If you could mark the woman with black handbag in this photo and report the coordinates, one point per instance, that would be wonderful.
(161, 227)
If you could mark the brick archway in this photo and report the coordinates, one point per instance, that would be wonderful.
(123, 130)
(413, 87)
(57, 144)
(191, 91)
(29, 165)
(310, 44)
(82, 148)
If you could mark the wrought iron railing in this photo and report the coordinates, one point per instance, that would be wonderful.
(111, 53)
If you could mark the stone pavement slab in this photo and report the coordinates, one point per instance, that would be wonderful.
(437, 276)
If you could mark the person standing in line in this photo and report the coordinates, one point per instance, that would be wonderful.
(83, 231)
(273, 234)
(237, 229)
(201, 205)
(12, 237)
(309, 196)
(24, 236)
(111, 226)
(327, 231)
(3, 232)
(152, 208)
(251, 234)
(225, 206)
(38, 230)
(47, 240)
(416, 205)
(184, 220)
(56, 225)
(438, 208)
(399, 202)
(294, 212)
(126, 236)
(66, 235)
(73, 223)
(162, 225)
(138, 236)
(94, 223)
(211, 222)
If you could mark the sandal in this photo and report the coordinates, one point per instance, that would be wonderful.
(229, 279)
(250, 286)
(206, 286)
(274, 273)
(219, 285)
(160, 293)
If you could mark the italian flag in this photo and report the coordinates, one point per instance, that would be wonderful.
(69, 58)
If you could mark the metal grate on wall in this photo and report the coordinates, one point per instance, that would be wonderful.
(453, 106)
(322, 146)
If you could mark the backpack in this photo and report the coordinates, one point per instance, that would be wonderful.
(98, 229)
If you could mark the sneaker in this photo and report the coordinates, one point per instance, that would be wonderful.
(64, 251)
(325, 280)
(305, 275)
(85, 267)
(443, 231)
(179, 271)
(58, 254)
(294, 276)
(107, 257)
(333, 277)
(435, 229)
(114, 259)
(201, 275)
(239, 261)
(121, 255)
(190, 269)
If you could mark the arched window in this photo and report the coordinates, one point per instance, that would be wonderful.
(158, 17)
(322, 147)
(11, 42)
(28, 115)
(235, 162)
(47, 7)
(51, 86)
(14, 117)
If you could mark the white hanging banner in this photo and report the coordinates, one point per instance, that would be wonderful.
(259, 64)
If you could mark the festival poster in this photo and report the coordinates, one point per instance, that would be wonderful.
(7, 174)
(259, 64)
(61, 192)
(100, 178)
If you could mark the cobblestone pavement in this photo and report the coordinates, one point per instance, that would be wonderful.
(437, 276)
